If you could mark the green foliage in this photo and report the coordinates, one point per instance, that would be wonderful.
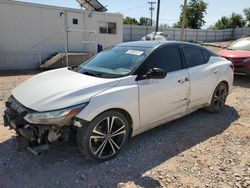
(145, 21)
(247, 15)
(176, 25)
(196, 10)
(234, 21)
(223, 23)
(165, 26)
(131, 21)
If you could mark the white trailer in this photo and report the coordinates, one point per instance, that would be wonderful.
(32, 33)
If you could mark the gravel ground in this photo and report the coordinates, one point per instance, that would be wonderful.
(199, 150)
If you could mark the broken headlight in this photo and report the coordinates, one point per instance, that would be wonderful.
(61, 116)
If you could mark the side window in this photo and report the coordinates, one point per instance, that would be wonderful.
(206, 55)
(168, 59)
(194, 56)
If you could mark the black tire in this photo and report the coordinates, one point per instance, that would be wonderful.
(218, 99)
(97, 143)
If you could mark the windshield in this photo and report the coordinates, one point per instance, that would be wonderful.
(115, 62)
(241, 44)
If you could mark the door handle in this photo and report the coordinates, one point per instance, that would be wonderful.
(182, 81)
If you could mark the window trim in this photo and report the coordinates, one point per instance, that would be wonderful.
(107, 27)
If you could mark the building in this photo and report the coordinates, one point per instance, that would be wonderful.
(31, 34)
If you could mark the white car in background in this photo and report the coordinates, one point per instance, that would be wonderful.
(117, 94)
(159, 36)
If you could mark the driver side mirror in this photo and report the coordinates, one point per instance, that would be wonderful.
(155, 73)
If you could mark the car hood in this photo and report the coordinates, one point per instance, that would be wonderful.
(234, 53)
(59, 89)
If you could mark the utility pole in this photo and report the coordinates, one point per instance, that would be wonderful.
(183, 21)
(151, 9)
(157, 16)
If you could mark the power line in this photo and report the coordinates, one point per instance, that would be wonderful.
(151, 9)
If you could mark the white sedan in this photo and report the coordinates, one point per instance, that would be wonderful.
(117, 94)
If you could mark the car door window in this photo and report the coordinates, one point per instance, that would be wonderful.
(206, 55)
(194, 56)
(167, 58)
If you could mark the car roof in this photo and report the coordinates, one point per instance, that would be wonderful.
(155, 44)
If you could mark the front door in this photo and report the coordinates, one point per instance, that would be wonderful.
(160, 99)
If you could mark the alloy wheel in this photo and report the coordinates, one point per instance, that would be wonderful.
(220, 97)
(107, 137)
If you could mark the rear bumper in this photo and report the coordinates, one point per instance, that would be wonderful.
(242, 69)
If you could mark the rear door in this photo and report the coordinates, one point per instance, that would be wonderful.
(160, 99)
(203, 75)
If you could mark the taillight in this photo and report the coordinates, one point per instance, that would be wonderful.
(232, 66)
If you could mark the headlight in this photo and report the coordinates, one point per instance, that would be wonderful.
(247, 60)
(58, 117)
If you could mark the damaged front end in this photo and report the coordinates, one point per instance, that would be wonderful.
(39, 129)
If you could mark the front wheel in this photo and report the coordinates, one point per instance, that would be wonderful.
(104, 137)
(219, 98)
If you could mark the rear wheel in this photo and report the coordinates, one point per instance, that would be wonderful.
(219, 98)
(104, 137)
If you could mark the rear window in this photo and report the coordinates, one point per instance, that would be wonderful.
(194, 56)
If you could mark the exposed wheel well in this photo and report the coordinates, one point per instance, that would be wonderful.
(127, 115)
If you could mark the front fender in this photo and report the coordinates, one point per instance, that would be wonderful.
(123, 96)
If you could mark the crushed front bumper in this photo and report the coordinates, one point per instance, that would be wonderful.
(37, 137)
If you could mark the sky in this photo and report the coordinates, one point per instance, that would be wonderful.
(169, 12)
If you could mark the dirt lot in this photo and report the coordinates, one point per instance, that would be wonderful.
(200, 150)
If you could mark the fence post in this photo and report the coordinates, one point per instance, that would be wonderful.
(185, 37)
(215, 35)
(174, 34)
(130, 33)
(224, 35)
(206, 35)
(232, 34)
(197, 32)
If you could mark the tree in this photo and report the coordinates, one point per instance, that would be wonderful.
(196, 10)
(145, 21)
(165, 26)
(176, 25)
(234, 21)
(237, 20)
(131, 21)
(222, 23)
(247, 14)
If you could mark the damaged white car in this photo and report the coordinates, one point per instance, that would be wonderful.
(117, 94)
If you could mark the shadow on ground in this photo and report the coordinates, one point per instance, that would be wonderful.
(64, 166)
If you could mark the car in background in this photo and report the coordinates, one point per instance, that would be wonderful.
(157, 36)
(117, 94)
(238, 53)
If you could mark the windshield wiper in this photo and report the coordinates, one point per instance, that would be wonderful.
(92, 74)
